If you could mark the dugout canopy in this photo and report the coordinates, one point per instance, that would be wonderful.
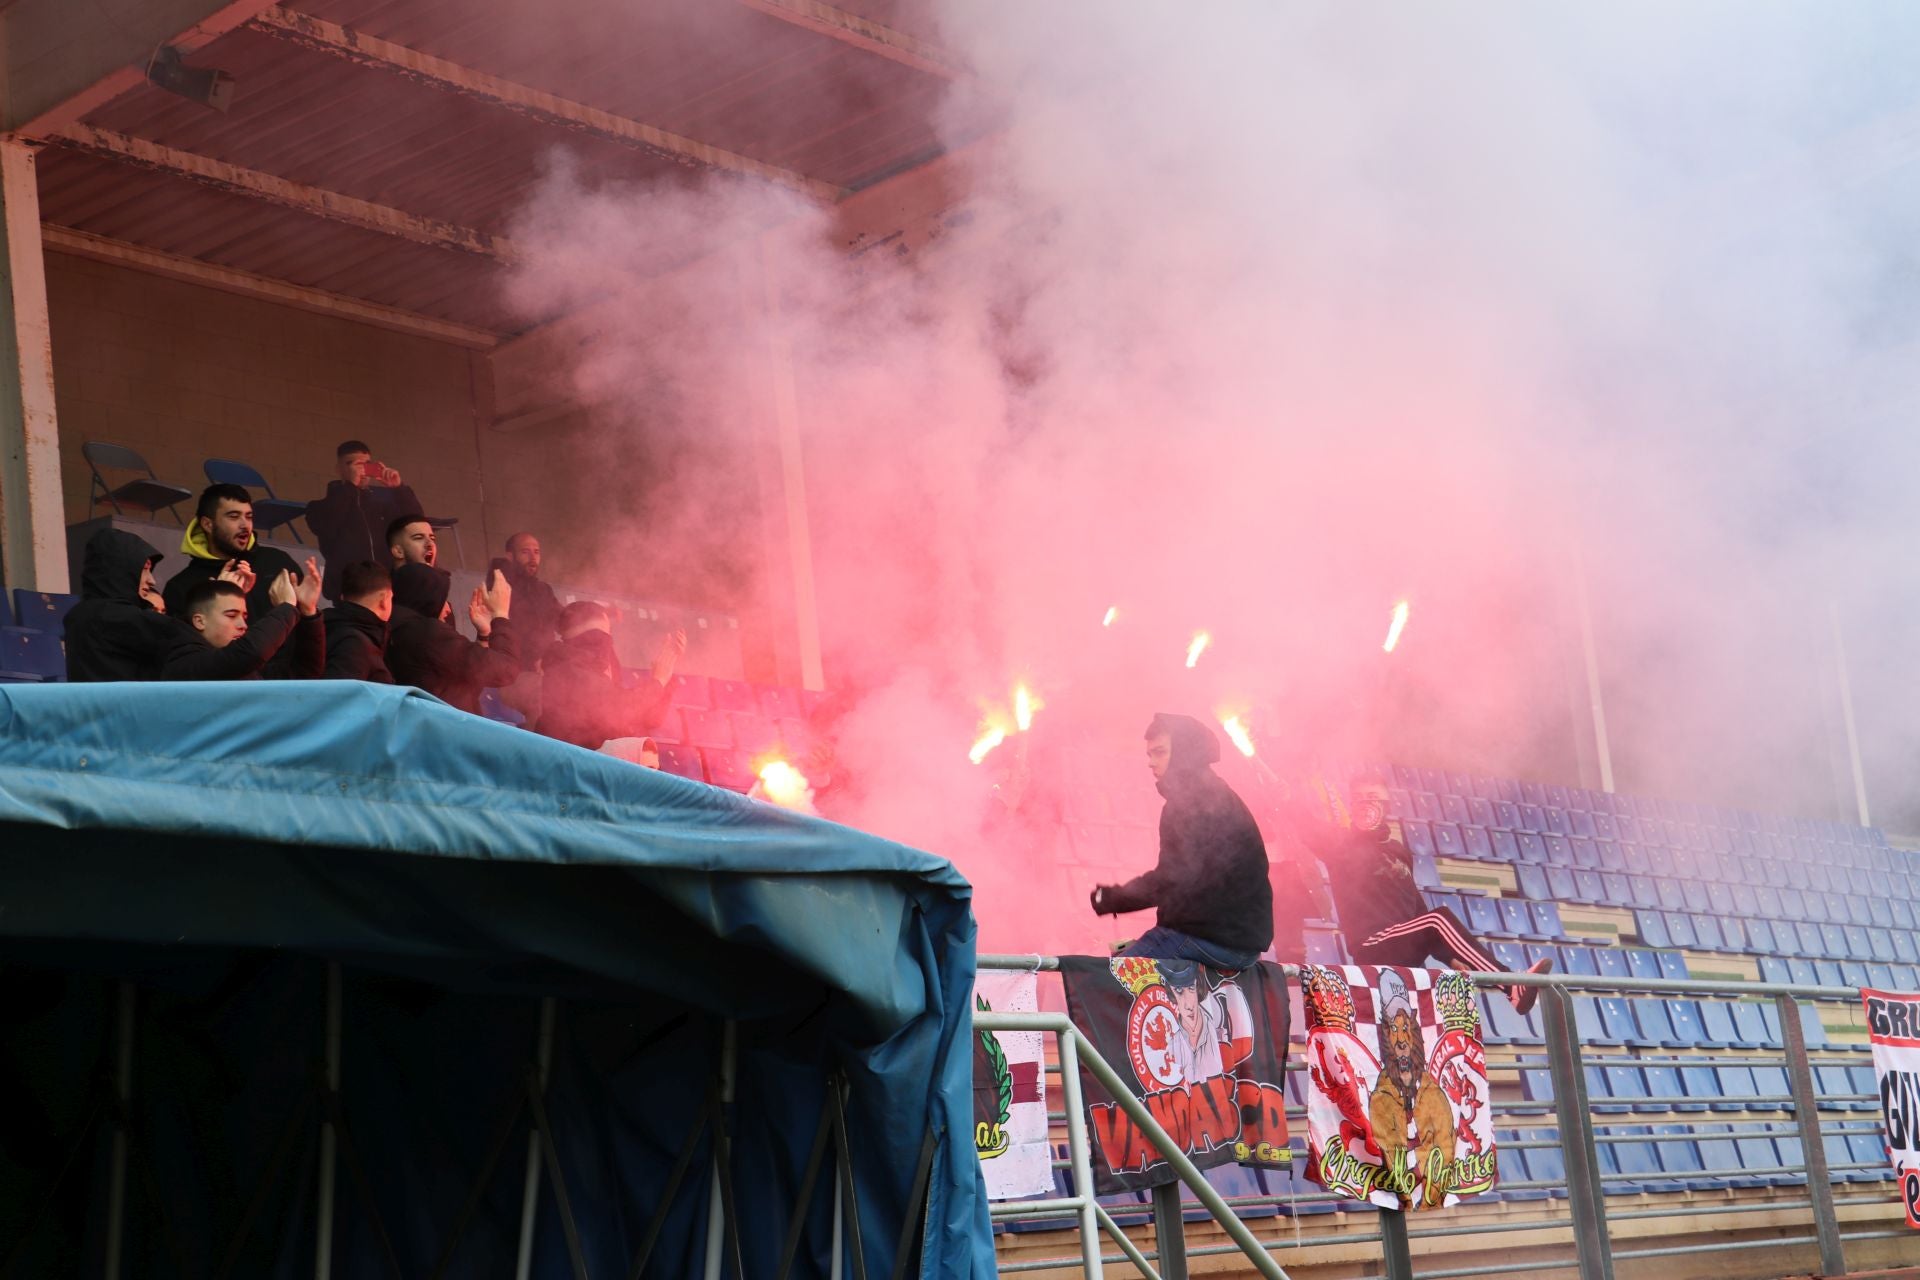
(333, 970)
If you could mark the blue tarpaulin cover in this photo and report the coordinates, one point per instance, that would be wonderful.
(213, 844)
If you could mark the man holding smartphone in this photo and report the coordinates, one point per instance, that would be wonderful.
(351, 521)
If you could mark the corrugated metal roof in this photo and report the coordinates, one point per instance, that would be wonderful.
(721, 74)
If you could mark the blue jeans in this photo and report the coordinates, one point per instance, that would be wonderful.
(1160, 943)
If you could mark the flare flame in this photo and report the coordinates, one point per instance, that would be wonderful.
(1394, 628)
(1237, 730)
(1201, 640)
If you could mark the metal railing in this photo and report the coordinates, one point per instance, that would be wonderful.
(1585, 1140)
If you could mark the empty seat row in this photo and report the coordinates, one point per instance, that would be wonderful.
(1503, 917)
(1762, 937)
(730, 730)
(1652, 1022)
(1798, 971)
(776, 702)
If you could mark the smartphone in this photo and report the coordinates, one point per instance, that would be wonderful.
(375, 472)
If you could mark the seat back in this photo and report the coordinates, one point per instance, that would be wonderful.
(228, 471)
(42, 610)
(116, 457)
(27, 652)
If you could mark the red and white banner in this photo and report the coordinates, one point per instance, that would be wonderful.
(1893, 1025)
(1398, 1108)
(1010, 1093)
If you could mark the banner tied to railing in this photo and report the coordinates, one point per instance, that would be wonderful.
(1010, 1093)
(1893, 1026)
(1207, 1052)
(1398, 1109)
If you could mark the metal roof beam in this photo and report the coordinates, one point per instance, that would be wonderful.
(64, 59)
(320, 203)
(371, 51)
(84, 244)
(864, 34)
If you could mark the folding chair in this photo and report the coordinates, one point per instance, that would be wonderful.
(270, 512)
(146, 492)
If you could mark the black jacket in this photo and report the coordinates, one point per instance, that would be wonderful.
(192, 658)
(1211, 880)
(1370, 874)
(202, 565)
(536, 616)
(351, 524)
(356, 644)
(581, 700)
(113, 634)
(429, 654)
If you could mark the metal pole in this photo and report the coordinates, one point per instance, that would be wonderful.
(1081, 1155)
(530, 1197)
(1826, 1224)
(1394, 1249)
(1169, 1232)
(1594, 702)
(1585, 1195)
(839, 1208)
(123, 1098)
(1846, 711)
(716, 1208)
(323, 1227)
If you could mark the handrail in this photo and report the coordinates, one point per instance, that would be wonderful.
(1089, 1057)
(1571, 981)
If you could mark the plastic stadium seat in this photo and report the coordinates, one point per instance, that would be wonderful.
(1447, 841)
(1652, 928)
(1870, 1149)
(1672, 896)
(1479, 845)
(1480, 812)
(1688, 1027)
(1588, 887)
(1559, 849)
(1839, 1156)
(733, 695)
(1418, 837)
(1627, 1084)
(691, 691)
(1426, 806)
(1433, 780)
(1733, 932)
(1425, 873)
(730, 769)
(1706, 933)
(1613, 962)
(1680, 930)
(780, 703)
(1616, 1013)
(1505, 847)
(1694, 894)
(1532, 849)
(1451, 901)
(1561, 884)
(1761, 1158)
(1664, 1089)
(1717, 1027)
(145, 492)
(1533, 880)
(1703, 1083)
(493, 709)
(1638, 1160)
(41, 610)
(1578, 961)
(1720, 1156)
(27, 654)
(269, 512)
(1737, 1086)
(1546, 920)
(1515, 919)
(707, 729)
(1654, 1022)
(1642, 893)
(1681, 1158)
(1516, 1167)
(1453, 808)
(1502, 1024)
(682, 760)
(1672, 964)
(1511, 955)
(1641, 962)
(1483, 917)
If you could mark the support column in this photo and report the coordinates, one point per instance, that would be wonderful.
(785, 408)
(33, 534)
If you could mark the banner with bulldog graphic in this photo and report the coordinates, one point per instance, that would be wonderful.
(1010, 1093)
(1207, 1050)
(1398, 1109)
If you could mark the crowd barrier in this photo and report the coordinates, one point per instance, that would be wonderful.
(1567, 1139)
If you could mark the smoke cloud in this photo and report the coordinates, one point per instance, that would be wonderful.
(1258, 319)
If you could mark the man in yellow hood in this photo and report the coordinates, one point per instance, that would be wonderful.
(222, 533)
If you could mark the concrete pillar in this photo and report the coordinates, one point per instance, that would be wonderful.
(33, 536)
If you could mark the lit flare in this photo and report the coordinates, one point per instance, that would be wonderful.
(1199, 646)
(991, 738)
(1237, 730)
(1394, 628)
(1113, 611)
(1024, 705)
(786, 786)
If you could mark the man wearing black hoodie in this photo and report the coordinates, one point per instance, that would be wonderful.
(1210, 885)
(357, 626)
(581, 700)
(425, 651)
(220, 642)
(120, 629)
(222, 534)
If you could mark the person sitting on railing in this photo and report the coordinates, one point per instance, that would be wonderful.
(1382, 913)
(1210, 885)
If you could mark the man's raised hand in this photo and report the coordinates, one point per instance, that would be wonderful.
(283, 591)
(307, 594)
(498, 593)
(239, 573)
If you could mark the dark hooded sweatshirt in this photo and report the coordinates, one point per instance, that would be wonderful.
(251, 657)
(536, 615)
(205, 563)
(1211, 880)
(429, 654)
(113, 634)
(351, 524)
(1370, 873)
(581, 700)
(356, 644)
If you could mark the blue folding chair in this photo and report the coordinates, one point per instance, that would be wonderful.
(270, 512)
(145, 492)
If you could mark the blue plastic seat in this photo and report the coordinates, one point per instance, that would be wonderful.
(145, 492)
(40, 610)
(1760, 936)
(1501, 1023)
(1641, 962)
(1587, 887)
(1717, 1027)
(1578, 960)
(1533, 880)
(683, 760)
(1418, 837)
(1761, 1159)
(1480, 812)
(1580, 824)
(1559, 850)
(1626, 1084)
(1733, 931)
(1447, 840)
(1591, 1024)
(1698, 901)
(1680, 930)
(1665, 1090)
(1506, 816)
(1688, 1027)
(1426, 806)
(1531, 849)
(1655, 1026)
(1651, 926)
(1483, 917)
(1638, 1160)
(1612, 962)
(269, 512)
(1546, 920)
(1511, 955)
(1453, 808)
(1515, 919)
(1479, 846)
(1505, 847)
(1606, 828)
(1600, 1092)
(1643, 892)
(1719, 1153)
(1560, 884)
(1706, 933)
(1616, 890)
(1425, 873)
(493, 708)
(1532, 819)
(1681, 1159)
(1616, 1012)
(27, 654)
(1871, 1149)
(1556, 820)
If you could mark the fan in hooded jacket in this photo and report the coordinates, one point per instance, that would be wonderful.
(424, 650)
(1215, 903)
(119, 630)
(583, 700)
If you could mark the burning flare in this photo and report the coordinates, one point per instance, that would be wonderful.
(786, 786)
(1024, 705)
(1113, 611)
(1199, 646)
(990, 738)
(1394, 628)
(1237, 730)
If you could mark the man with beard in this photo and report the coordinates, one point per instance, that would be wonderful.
(1382, 913)
(1215, 903)
(536, 610)
(426, 652)
(220, 536)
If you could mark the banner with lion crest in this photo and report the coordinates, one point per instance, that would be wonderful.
(1207, 1050)
(1398, 1109)
(1010, 1093)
